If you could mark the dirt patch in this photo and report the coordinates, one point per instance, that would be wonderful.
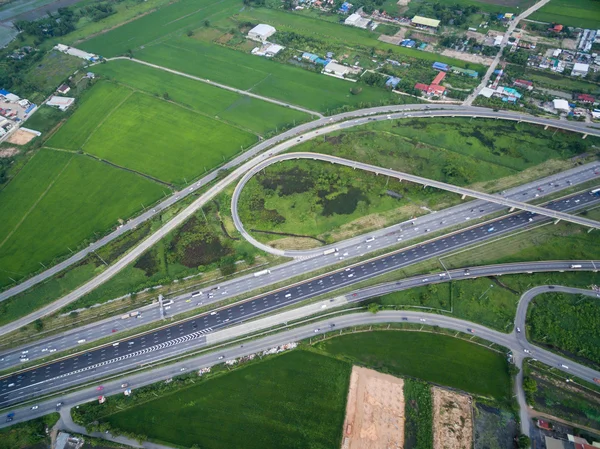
(294, 243)
(479, 38)
(374, 411)
(395, 39)
(9, 152)
(21, 137)
(467, 57)
(402, 2)
(452, 420)
(429, 38)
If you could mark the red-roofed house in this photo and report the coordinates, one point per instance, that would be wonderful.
(584, 446)
(544, 424)
(523, 83)
(421, 86)
(439, 77)
(585, 98)
(436, 89)
(557, 28)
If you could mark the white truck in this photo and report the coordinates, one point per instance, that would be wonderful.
(262, 273)
(330, 251)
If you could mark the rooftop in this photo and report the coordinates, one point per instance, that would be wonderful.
(419, 20)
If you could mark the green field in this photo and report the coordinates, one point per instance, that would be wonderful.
(296, 400)
(563, 82)
(418, 410)
(493, 6)
(44, 119)
(28, 434)
(164, 140)
(255, 115)
(94, 107)
(574, 13)
(569, 324)
(261, 76)
(55, 204)
(434, 358)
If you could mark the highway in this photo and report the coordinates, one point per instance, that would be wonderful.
(171, 339)
(401, 233)
(511, 341)
(393, 112)
(505, 200)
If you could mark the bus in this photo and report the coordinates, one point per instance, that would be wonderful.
(595, 192)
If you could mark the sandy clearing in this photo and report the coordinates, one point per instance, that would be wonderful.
(374, 411)
(452, 420)
(294, 243)
(467, 57)
(20, 137)
(9, 152)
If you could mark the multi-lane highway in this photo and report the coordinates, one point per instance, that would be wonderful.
(172, 339)
(398, 234)
(334, 124)
(505, 200)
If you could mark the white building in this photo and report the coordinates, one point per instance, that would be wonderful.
(580, 69)
(261, 32)
(268, 49)
(339, 70)
(77, 53)
(356, 20)
(62, 103)
(561, 105)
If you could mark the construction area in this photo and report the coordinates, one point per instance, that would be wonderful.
(452, 419)
(374, 411)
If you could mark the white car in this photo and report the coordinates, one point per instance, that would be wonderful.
(213, 313)
(526, 351)
(35, 407)
(45, 350)
(289, 295)
(564, 366)
(317, 330)
(351, 275)
(221, 357)
(422, 319)
(52, 350)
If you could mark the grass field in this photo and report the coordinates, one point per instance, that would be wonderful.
(44, 119)
(575, 13)
(28, 434)
(261, 76)
(566, 323)
(165, 140)
(255, 115)
(418, 409)
(55, 203)
(493, 6)
(557, 81)
(94, 107)
(296, 400)
(434, 358)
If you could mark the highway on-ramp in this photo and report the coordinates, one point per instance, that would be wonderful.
(165, 342)
(146, 244)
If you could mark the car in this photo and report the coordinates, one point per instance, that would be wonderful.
(24, 359)
(45, 350)
(427, 230)
(530, 219)
(225, 321)
(9, 419)
(25, 352)
(130, 343)
(317, 330)
(332, 325)
(59, 405)
(351, 275)
(518, 329)
(562, 365)
(471, 330)
(115, 330)
(167, 308)
(52, 350)
(467, 272)
(221, 357)
(404, 318)
(11, 385)
(551, 287)
(182, 369)
(422, 319)
(526, 351)
(213, 313)
(288, 295)
(442, 275)
(347, 269)
(35, 407)
(188, 300)
(125, 385)
(425, 280)
(345, 254)
(100, 388)
(492, 229)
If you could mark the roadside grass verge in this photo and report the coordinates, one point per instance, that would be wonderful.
(568, 324)
(256, 115)
(418, 427)
(427, 356)
(55, 213)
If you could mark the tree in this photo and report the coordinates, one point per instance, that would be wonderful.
(207, 23)
(38, 325)
(166, 96)
(373, 307)
(523, 442)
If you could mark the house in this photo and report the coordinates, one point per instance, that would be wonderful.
(498, 41)
(261, 32)
(90, 75)
(561, 105)
(77, 53)
(267, 49)
(524, 84)
(62, 103)
(580, 69)
(338, 70)
(543, 424)
(63, 89)
(392, 82)
(425, 22)
(440, 66)
(556, 28)
(356, 20)
(585, 98)
(346, 7)
(467, 72)
(431, 89)
(439, 78)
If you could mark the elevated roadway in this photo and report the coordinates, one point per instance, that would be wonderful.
(503, 200)
(219, 185)
(180, 337)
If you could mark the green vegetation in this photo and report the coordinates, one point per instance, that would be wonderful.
(45, 119)
(575, 13)
(170, 142)
(555, 81)
(256, 115)
(494, 6)
(551, 394)
(567, 323)
(296, 400)
(51, 210)
(28, 434)
(428, 356)
(418, 427)
(94, 107)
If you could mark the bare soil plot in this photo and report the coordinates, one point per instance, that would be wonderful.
(9, 152)
(21, 137)
(374, 411)
(485, 60)
(452, 420)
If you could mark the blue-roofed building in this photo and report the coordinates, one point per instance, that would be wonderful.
(410, 44)
(392, 82)
(4, 92)
(440, 66)
(322, 61)
(346, 7)
(423, 46)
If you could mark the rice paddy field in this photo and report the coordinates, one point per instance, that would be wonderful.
(575, 13)
(54, 205)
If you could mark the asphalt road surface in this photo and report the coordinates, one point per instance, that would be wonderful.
(172, 339)
(186, 302)
(506, 200)
(312, 330)
(236, 173)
